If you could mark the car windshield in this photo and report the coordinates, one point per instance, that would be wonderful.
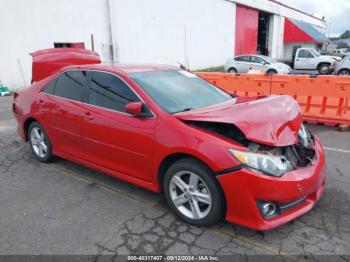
(176, 91)
(315, 53)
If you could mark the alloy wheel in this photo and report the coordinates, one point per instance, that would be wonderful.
(344, 72)
(324, 69)
(38, 142)
(190, 195)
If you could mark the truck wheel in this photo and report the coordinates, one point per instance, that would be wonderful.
(323, 69)
(344, 72)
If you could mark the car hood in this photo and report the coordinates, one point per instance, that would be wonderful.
(273, 121)
(330, 59)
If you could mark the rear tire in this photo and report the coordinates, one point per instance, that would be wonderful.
(193, 193)
(344, 72)
(323, 69)
(40, 143)
(232, 70)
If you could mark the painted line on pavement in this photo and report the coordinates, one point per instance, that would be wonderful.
(336, 150)
(238, 239)
(271, 250)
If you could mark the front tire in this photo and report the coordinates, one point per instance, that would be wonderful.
(323, 69)
(344, 72)
(271, 72)
(40, 143)
(193, 193)
(232, 70)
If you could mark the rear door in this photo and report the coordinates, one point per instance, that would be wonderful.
(243, 64)
(257, 63)
(113, 138)
(62, 111)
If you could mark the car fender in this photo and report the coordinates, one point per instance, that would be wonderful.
(195, 142)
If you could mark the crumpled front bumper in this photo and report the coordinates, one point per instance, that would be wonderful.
(243, 188)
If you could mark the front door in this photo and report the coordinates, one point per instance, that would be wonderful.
(303, 59)
(243, 64)
(113, 138)
(257, 63)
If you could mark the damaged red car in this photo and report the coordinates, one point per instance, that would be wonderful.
(212, 155)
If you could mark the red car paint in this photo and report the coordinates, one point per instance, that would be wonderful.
(46, 62)
(281, 130)
(86, 134)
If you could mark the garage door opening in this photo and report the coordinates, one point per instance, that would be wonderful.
(246, 30)
(263, 33)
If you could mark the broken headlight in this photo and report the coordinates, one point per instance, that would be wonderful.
(268, 164)
(304, 136)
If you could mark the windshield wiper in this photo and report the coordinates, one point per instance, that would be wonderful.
(183, 110)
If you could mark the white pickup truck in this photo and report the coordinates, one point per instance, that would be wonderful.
(310, 59)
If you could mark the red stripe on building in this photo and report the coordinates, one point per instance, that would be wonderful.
(293, 34)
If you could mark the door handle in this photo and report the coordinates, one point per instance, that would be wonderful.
(89, 116)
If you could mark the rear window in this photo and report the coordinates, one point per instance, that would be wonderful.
(49, 88)
(70, 85)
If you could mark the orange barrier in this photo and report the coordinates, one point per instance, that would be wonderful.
(323, 99)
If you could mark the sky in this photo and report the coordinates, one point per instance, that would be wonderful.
(337, 12)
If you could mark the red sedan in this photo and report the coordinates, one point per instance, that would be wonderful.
(212, 155)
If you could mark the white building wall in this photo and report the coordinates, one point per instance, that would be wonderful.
(276, 36)
(197, 33)
(27, 26)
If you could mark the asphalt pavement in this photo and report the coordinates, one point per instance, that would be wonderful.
(65, 208)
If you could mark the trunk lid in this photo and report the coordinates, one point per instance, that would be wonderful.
(47, 61)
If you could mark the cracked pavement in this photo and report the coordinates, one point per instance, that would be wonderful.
(65, 208)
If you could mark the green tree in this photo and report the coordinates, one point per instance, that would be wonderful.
(345, 35)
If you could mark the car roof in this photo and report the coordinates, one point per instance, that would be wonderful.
(261, 56)
(125, 68)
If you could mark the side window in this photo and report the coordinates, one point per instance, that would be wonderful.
(109, 91)
(305, 54)
(70, 85)
(245, 58)
(48, 89)
(242, 58)
(255, 59)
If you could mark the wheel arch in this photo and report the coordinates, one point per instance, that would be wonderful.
(26, 125)
(343, 69)
(171, 159)
(232, 67)
(323, 63)
(271, 69)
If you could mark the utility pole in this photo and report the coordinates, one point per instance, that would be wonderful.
(111, 32)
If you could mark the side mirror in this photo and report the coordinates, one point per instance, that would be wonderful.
(134, 108)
